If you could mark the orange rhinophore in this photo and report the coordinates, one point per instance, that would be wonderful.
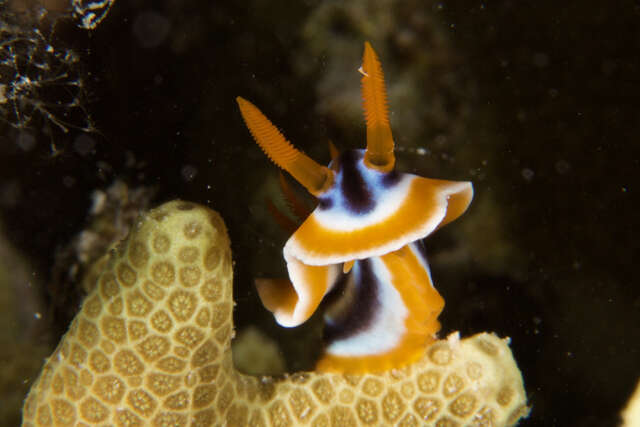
(297, 206)
(360, 250)
(379, 154)
(311, 175)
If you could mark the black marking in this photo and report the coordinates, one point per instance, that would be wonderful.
(325, 203)
(422, 250)
(337, 291)
(361, 312)
(391, 179)
(354, 188)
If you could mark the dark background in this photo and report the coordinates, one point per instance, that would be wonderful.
(537, 103)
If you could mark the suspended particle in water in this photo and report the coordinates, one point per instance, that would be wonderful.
(188, 172)
(84, 144)
(527, 174)
(150, 29)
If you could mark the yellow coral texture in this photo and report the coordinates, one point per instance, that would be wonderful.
(151, 346)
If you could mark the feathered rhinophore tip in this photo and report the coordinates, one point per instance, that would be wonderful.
(373, 89)
(269, 138)
(379, 153)
(311, 175)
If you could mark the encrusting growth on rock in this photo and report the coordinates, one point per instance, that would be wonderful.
(151, 346)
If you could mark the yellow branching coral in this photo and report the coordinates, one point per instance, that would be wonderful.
(151, 346)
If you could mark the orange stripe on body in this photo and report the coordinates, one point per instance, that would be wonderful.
(457, 205)
(424, 201)
(293, 303)
(277, 294)
(424, 304)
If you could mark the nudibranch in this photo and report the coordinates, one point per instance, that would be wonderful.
(361, 246)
